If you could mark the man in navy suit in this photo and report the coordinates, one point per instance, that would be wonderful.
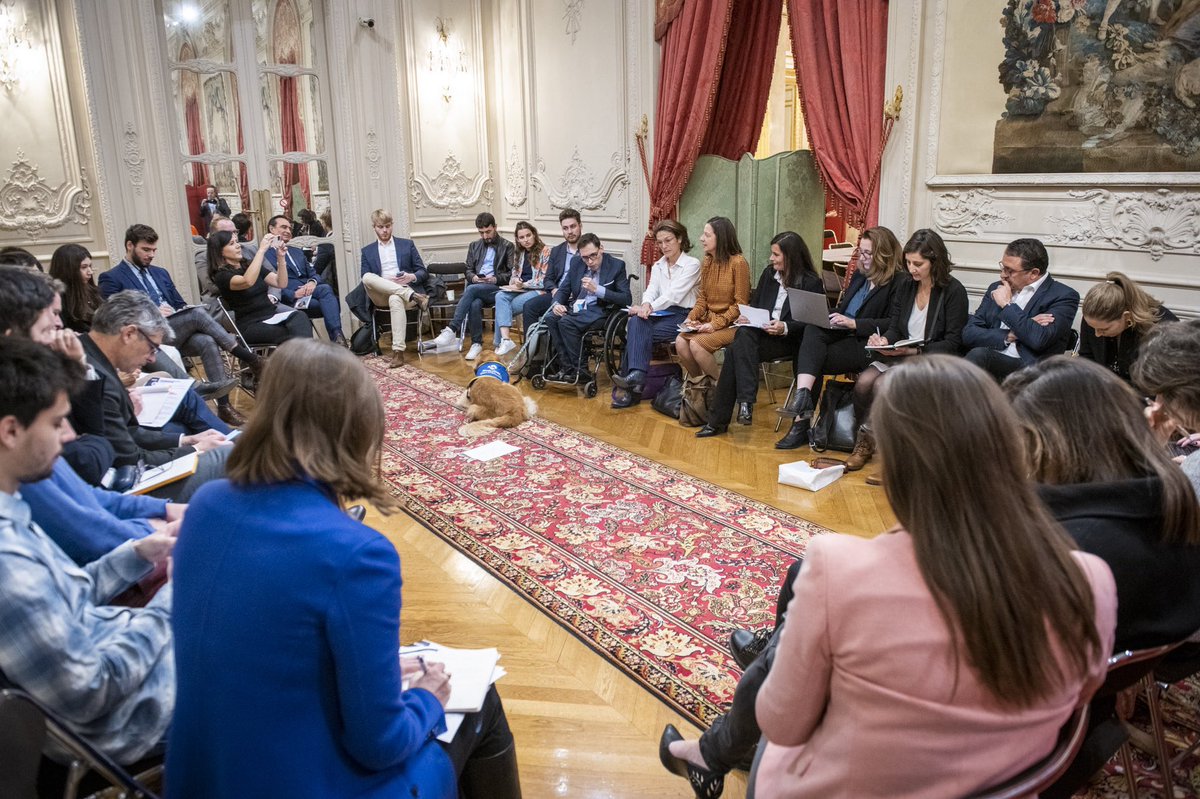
(196, 332)
(595, 284)
(1025, 316)
(304, 282)
(394, 277)
(212, 205)
(560, 258)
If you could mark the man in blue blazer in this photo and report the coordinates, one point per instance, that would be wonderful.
(560, 258)
(304, 282)
(1024, 317)
(394, 276)
(596, 284)
(196, 332)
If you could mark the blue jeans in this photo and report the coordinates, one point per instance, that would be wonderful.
(193, 416)
(470, 309)
(508, 305)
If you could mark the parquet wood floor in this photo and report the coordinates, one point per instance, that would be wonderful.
(584, 729)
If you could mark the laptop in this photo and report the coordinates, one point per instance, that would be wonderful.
(809, 307)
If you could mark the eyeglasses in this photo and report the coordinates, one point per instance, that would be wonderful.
(154, 348)
(1006, 272)
(591, 258)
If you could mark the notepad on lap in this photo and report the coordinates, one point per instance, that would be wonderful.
(899, 345)
(158, 476)
(472, 672)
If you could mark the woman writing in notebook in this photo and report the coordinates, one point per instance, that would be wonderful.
(931, 308)
(287, 617)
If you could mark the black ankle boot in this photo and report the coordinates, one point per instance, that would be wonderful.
(799, 406)
(745, 413)
(796, 437)
(710, 430)
(493, 777)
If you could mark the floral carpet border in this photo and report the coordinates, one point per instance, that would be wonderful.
(647, 565)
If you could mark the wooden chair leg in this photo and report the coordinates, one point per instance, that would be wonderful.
(1160, 739)
(1127, 764)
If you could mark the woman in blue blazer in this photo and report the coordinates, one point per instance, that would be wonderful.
(287, 615)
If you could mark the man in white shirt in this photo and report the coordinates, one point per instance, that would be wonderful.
(1023, 317)
(394, 276)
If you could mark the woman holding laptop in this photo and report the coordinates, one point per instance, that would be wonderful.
(790, 267)
(931, 308)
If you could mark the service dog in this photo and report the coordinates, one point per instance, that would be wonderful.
(491, 402)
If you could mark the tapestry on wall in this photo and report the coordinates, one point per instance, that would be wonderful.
(1100, 86)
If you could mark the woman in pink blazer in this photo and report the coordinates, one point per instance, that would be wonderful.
(943, 656)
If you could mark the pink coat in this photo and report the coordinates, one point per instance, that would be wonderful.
(861, 698)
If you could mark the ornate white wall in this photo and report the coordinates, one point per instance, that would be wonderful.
(1144, 224)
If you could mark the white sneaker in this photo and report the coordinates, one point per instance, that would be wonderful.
(445, 338)
(473, 353)
(506, 346)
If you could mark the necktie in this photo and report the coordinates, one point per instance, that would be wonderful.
(148, 282)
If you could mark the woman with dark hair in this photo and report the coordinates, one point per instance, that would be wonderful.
(72, 264)
(243, 288)
(901, 646)
(1116, 490)
(309, 225)
(790, 267)
(724, 284)
(286, 617)
(665, 305)
(1117, 315)
(1168, 369)
(529, 262)
(866, 308)
(932, 307)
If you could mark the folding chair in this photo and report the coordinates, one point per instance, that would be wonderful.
(1043, 773)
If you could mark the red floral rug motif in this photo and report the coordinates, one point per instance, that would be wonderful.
(649, 566)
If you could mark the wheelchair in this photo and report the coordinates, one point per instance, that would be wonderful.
(602, 346)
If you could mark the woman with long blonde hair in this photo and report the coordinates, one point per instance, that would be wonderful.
(965, 635)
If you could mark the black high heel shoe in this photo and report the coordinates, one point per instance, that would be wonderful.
(705, 784)
(711, 430)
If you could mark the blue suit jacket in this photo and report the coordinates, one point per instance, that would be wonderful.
(300, 271)
(558, 264)
(287, 619)
(408, 259)
(1034, 341)
(612, 278)
(122, 277)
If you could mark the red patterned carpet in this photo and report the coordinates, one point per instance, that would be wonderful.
(651, 567)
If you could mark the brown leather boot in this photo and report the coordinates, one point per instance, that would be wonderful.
(864, 448)
(397, 359)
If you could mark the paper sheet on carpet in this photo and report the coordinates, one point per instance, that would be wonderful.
(487, 452)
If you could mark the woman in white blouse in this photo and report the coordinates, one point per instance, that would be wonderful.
(665, 305)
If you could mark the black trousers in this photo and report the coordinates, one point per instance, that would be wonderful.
(738, 382)
(482, 734)
(830, 352)
(994, 362)
(260, 334)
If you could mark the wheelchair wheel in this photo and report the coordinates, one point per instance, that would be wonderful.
(590, 389)
(614, 342)
(538, 382)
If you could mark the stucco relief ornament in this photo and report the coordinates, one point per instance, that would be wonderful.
(515, 192)
(574, 17)
(1155, 222)
(373, 155)
(967, 212)
(578, 187)
(29, 204)
(451, 188)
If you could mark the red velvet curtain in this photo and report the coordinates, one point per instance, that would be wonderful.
(195, 139)
(292, 139)
(692, 52)
(840, 49)
(745, 84)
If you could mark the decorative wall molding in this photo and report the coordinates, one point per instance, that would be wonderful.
(451, 189)
(1155, 222)
(373, 155)
(573, 15)
(577, 187)
(133, 160)
(204, 66)
(516, 190)
(966, 213)
(29, 204)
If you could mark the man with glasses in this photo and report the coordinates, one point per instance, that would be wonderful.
(1023, 317)
(126, 333)
(303, 281)
(596, 284)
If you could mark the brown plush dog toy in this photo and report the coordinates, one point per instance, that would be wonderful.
(490, 402)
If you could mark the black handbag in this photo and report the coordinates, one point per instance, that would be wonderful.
(834, 427)
(363, 341)
(670, 397)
